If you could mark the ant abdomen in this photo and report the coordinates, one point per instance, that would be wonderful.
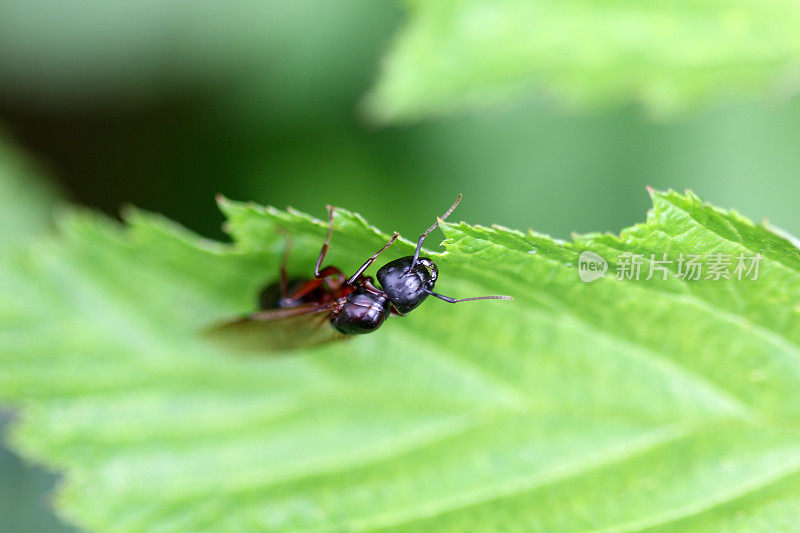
(363, 311)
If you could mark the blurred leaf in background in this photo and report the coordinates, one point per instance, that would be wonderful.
(26, 205)
(461, 54)
(27, 200)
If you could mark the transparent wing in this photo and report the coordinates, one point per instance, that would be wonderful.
(277, 329)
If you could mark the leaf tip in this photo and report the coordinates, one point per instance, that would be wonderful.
(221, 200)
(128, 212)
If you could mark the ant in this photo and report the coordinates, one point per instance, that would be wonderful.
(292, 310)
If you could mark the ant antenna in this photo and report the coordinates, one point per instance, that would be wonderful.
(427, 231)
(454, 301)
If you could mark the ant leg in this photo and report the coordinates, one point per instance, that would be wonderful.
(306, 288)
(325, 244)
(284, 260)
(371, 260)
(454, 301)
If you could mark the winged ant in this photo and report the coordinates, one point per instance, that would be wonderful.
(293, 311)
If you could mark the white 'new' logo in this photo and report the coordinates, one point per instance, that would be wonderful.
(591, 266)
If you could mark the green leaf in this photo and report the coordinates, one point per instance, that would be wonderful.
(617, 405)
(27, 202)
(456, 55)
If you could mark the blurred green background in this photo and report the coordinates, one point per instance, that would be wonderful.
(162, 105)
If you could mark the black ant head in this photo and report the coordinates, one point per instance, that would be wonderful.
(408, 281)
